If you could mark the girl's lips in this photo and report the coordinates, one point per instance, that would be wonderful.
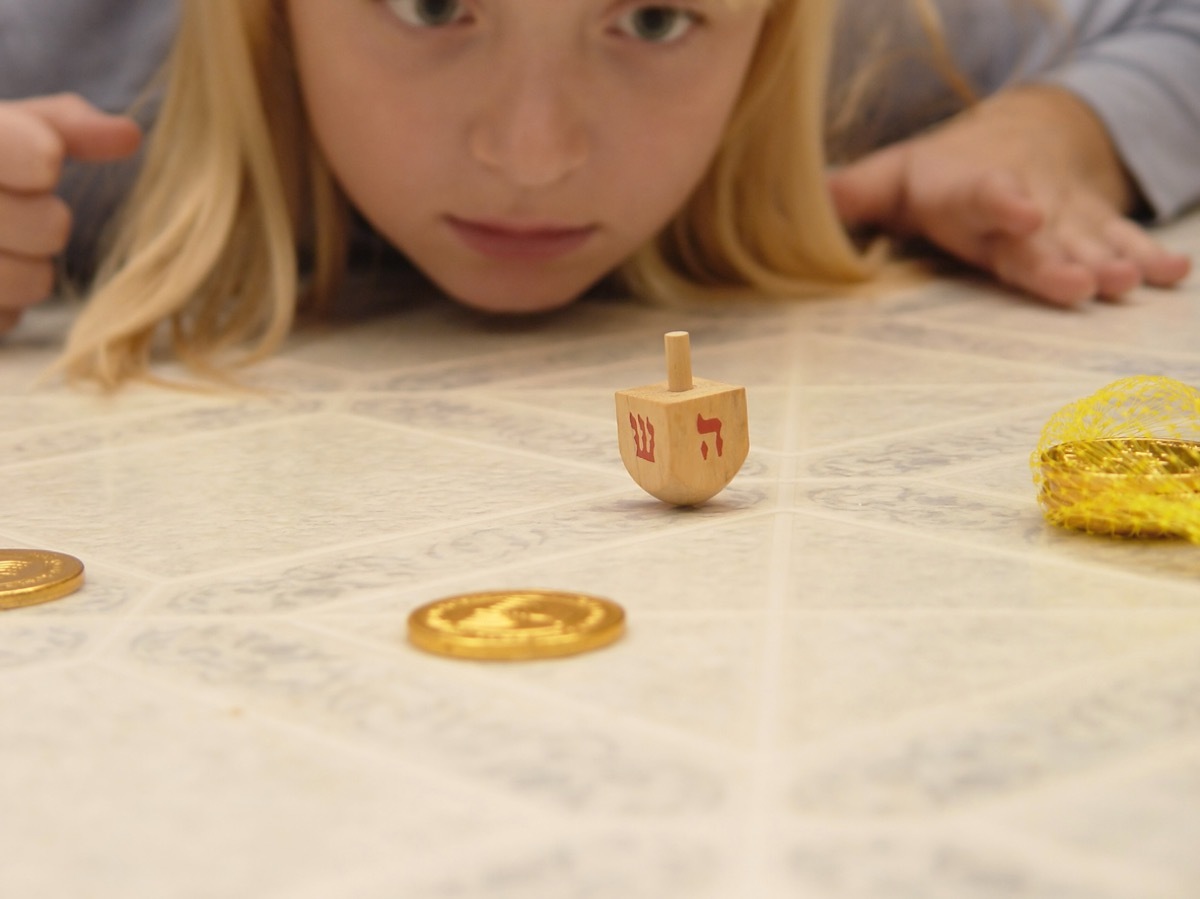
(503, 241)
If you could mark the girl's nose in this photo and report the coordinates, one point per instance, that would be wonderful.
(530, 130)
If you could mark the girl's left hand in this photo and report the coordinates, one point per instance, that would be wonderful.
(1027, 186)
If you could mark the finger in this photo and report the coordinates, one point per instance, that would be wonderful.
(1039, 267)
(37, 135)
(999, 202)
(1159, 266)
(31, 152)
(24, 282)
(982, 213)
(88, 133)
(872, 190)
(1115, 274)
(33, 224)
(1117, 277)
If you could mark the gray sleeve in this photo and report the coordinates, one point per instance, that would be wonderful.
(108, 51)
(105, 50)
(1137, 64)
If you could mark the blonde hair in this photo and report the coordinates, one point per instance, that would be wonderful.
(231, 191)
(234, 189)
(762, 221)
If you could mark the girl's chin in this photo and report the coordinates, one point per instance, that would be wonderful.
(515, 306)
(513, 300)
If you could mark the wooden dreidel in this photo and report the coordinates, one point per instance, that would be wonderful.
(683, 439)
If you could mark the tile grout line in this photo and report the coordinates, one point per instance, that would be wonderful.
(1057, 340)
(756, 878)
(954, 328)
(1075, 685)
(1014, 551)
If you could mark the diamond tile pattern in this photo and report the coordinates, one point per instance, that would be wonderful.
(867, 670)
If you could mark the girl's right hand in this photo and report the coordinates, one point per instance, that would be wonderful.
(36, 137)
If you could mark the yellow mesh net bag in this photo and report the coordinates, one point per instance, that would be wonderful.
(1124, 461)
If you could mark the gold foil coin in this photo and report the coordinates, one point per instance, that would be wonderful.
(1122, 486)
(516, 625)
(32, 576)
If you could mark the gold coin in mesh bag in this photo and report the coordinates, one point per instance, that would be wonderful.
(1124, 461)
(514, 625)
(32, 576)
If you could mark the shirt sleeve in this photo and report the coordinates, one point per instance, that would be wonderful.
(1136, 63)
(107, 51)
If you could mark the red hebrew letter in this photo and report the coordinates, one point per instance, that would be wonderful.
(709, 426)
(643, 437)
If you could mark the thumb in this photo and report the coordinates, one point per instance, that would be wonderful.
(87, 133)
(871, 191)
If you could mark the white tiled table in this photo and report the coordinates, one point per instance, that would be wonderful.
(867, 670)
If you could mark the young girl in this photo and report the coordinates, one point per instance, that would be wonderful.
(517, 151)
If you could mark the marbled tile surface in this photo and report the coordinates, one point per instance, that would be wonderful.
(868, 670)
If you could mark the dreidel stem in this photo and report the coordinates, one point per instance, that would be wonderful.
(679, 361)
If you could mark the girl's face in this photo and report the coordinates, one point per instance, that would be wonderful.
(518, 150)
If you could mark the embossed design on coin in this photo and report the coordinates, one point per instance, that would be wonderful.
(32, 576)
(516, 624)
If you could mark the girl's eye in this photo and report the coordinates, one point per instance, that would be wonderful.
(428, 13)
(657, 24)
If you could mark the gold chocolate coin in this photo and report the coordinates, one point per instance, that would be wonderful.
(1122, 486)
(32, 576)
(515, 625)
